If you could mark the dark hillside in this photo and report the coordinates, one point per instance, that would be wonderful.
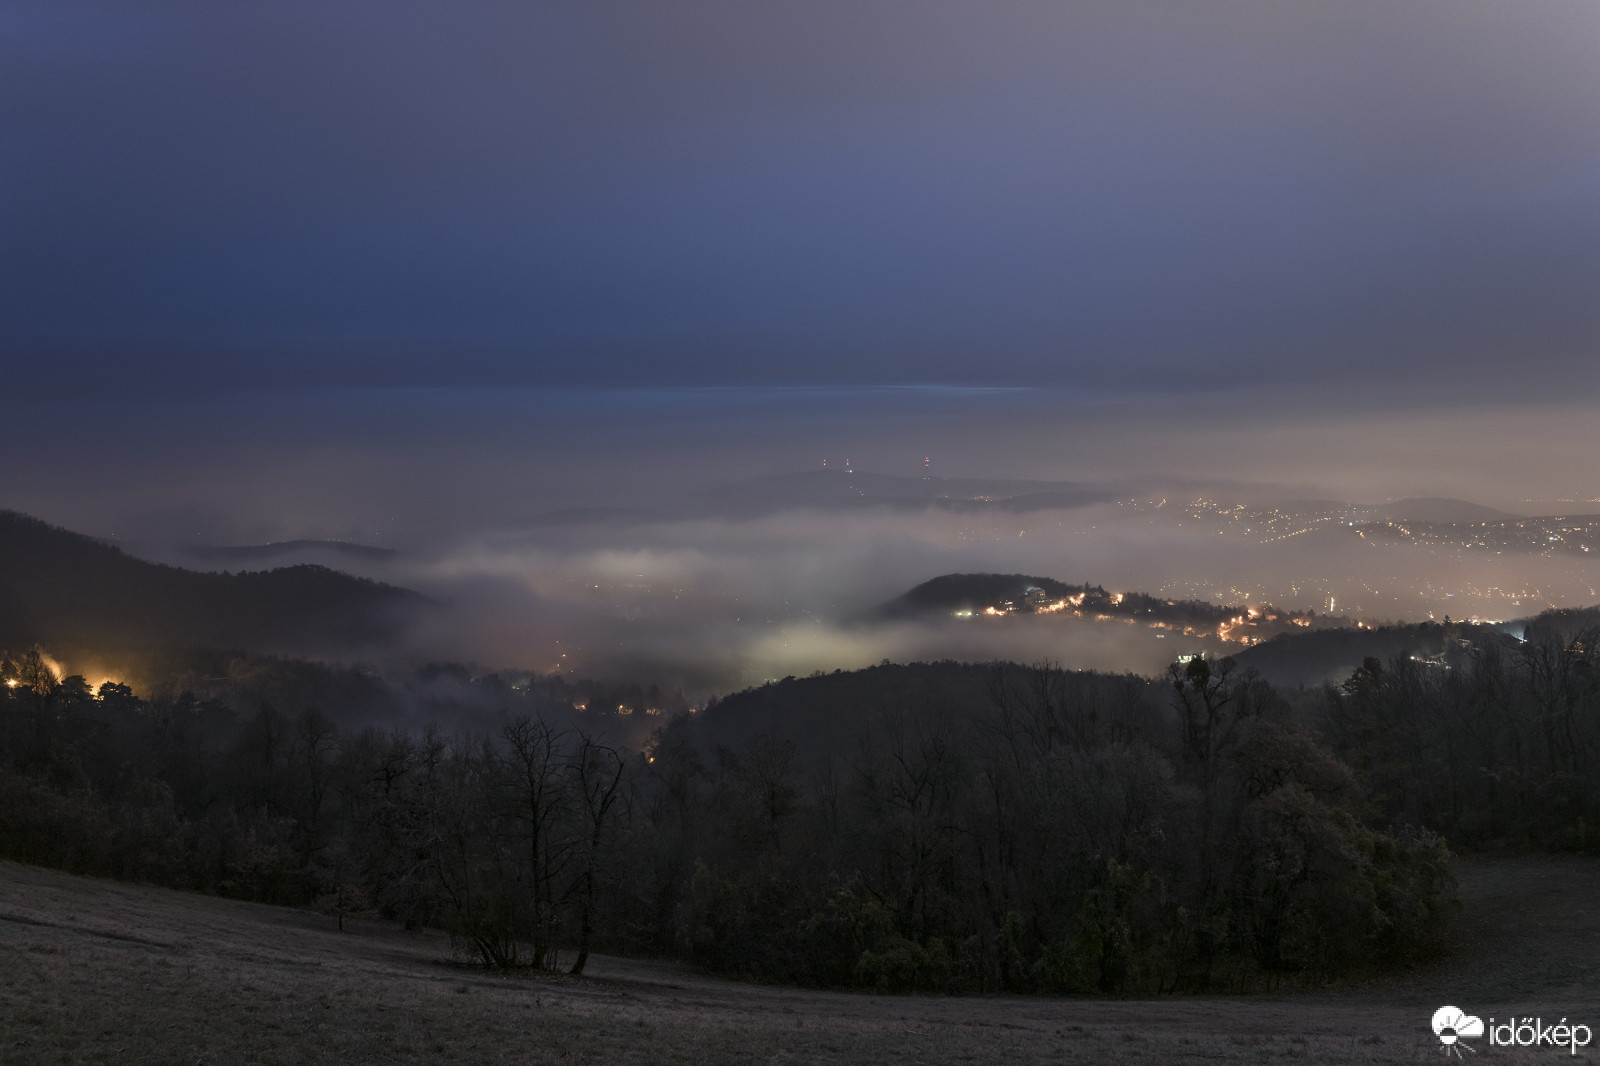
(69, 590)
(285, 549)
(972, 592)
(1294, 660)
(827, 714)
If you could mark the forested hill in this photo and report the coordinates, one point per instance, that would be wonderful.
(825, 715)
(971, 592)
(830, 710)
(1330, 656)
(1312, 658)
(1004, 594)
(69, 590)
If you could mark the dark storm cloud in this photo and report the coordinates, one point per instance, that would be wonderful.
(793, 193)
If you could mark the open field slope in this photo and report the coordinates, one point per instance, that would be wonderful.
(102, 972)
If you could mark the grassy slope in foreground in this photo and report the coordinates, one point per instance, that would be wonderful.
(98, 971)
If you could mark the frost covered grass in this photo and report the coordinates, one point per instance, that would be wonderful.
(100, 972)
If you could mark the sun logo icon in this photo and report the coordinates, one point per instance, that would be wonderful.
(1451, 1024)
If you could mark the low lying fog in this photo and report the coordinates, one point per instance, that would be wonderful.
(744, 601)
(474, 490)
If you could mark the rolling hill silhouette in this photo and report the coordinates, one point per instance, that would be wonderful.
(67, 589)
(287, 549)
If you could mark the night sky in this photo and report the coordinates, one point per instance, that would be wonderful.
(1114, 196)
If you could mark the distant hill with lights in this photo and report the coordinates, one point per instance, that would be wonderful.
(1288, 648)
(71, 590)
(991, 596)
(1331, 655)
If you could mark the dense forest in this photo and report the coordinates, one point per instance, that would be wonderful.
(935, 826)
(942, 826)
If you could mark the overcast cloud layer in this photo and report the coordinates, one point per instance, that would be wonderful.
(1109, 194)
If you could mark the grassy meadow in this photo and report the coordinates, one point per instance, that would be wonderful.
(95, 971)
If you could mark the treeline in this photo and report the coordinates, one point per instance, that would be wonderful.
(1071, 832)
(493, 834)
(1031, 830)
(1491, 742)
(939, 826)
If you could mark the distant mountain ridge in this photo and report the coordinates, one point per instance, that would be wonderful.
(248, 553)
(306, 549)
(845, 489)
(834, 488)
(1443, 511)
(67, 588)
